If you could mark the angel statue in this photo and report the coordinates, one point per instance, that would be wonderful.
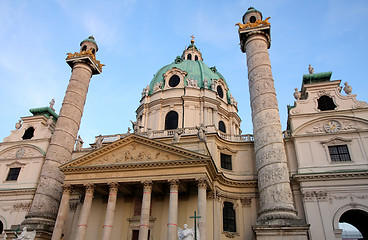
(26, 235)
(187, 233)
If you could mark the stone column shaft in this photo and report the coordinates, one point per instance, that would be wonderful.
(172, 225)
(145, 211)
(46, 200)
(62, 214)
(202, 207)
(86, 208)
(273, 175)
(110, 210)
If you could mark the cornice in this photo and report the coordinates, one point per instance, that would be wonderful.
(322, 176)
(21, 191)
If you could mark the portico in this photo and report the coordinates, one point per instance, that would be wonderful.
(146, 193)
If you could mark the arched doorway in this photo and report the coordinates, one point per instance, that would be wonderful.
(358, 218)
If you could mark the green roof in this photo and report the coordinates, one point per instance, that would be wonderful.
(45, 111)
(317, 77)
(196, 70)
(252, 9)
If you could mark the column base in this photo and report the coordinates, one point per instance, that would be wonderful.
(267, 232)
(40, 233)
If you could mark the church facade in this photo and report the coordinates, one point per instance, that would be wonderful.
(188, 163)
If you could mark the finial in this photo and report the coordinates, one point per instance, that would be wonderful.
(310, 69)
(347, 89)
(91, 37)
(192, 41)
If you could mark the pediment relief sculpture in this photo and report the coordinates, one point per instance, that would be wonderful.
(128, 151)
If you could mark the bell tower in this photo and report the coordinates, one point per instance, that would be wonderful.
(276, 202)
(43, 211)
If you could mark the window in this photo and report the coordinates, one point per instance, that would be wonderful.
(1, 227)
(196, 58)
(13, 174)
(229, 222)
(252, 19)
(222, 127)
(28, 134)
(84, 48)
(226, 161)
(174, 81)
(189, 57)
(326, 103)
(220, 92)
(171, 120)
(339, 153)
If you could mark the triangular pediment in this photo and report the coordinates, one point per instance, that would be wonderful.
(133, 149)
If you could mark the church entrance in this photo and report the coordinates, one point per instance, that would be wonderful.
(136, 234)
(357, 218)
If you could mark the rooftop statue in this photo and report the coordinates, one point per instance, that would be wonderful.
(310, 69)
(99, 142)
(297, 94)
(52, 103)
(79, 143)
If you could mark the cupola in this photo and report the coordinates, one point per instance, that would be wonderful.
(252, 15)
(192, 52)
(89, 44)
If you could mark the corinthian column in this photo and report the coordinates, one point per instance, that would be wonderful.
(42, 213)
(172, 225)
(145, 211)
(276, 202)
(62, 214)
(202, 205)
(110, 210)
(86, 209)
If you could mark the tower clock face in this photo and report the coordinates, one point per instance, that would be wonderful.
(332, 126)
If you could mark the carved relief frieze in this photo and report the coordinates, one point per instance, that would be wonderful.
(230, 234)
(20, 152)
(315, 195)
(21, 206)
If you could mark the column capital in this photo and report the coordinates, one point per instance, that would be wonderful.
(113, 186)
(67, 188)
(90, 188)
(202, 183)
(174, 184)
(147, 185)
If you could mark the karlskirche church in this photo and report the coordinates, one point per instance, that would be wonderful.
(185, 171)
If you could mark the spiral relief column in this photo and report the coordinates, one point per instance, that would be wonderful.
(276, 201)
(45, 204)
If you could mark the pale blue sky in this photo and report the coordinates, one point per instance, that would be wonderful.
(136, 38)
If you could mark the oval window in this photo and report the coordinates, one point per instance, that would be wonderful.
(220, 92)
(174, 81)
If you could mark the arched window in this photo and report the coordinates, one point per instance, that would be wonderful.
(252, 19)
(174, 81)
(171, 120)
(196, 58)
(326, 103)
(28, 134)
(220, 92)
(93, 51)
(84, 48)
(1, 227)
(358, 218)
(189, 57)
(229, 221)
(222, 127)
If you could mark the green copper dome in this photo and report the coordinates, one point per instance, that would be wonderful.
(196, 70)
